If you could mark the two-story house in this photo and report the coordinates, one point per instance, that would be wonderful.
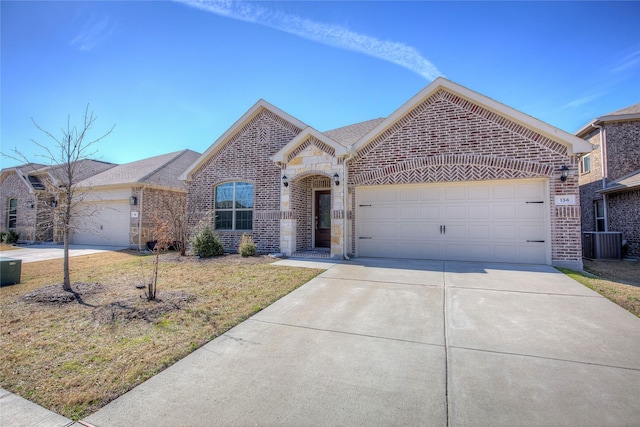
(609, 176)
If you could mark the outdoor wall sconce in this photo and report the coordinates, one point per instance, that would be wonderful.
(564, 173)
(133, 200)
(31, 206)
(54, 204)
(285, 180)
(336, 179)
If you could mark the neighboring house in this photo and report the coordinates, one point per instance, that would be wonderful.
(119, 206)
(450, 175)
(29, 194)
(610, 176)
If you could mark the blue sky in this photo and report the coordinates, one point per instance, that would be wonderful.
(174, 75)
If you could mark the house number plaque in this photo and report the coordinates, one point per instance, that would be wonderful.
(569, 200)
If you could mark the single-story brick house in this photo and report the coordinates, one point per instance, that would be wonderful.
(29, 196)
(118, 205)
(609, 175)
(451, 174)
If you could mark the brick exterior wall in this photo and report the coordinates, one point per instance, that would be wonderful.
(447, 138)
(155, 206)
(624, 216)
(622, 157)
(622, 149)
(14, 187)
(590, 182)
(246, 157)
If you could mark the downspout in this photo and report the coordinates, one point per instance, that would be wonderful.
(603, 167)
(345, 195)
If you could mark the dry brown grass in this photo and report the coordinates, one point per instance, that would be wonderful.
(75, 357)
(617, 280)
(5, 247)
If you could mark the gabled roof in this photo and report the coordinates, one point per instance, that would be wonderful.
(626, 183)
(257, 108)
(329, 144)
(159, 171)
(573, 143)
(34, 173)
(625, 114)
(347, 135)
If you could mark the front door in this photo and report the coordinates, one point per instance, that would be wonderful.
(322, 217)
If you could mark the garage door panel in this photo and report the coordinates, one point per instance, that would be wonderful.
(479, 221)
(108, 224)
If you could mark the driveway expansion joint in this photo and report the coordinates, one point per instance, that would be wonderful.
(533, 356)
(345, 333)
(515, 291)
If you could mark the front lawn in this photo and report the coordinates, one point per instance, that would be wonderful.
(617, 280)
(75, 353)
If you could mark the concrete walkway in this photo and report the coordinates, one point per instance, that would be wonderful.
(45, 252)
(410, 343)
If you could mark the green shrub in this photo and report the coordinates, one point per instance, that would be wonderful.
(2, 234)
(206, 244)
(247, 246)
(10, 237)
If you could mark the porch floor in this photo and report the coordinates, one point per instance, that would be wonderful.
(312, 253)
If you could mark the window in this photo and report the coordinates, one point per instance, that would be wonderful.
(585, 163)
(12, 213)
(234, 206)
(599, 209)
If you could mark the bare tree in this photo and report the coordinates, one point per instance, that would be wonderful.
(66, 155)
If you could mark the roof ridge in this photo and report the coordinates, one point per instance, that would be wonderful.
(177, 155)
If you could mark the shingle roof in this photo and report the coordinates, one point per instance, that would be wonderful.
(82, 169)
(633, 109)
(162, 171)
(347, 135)
(626, 183)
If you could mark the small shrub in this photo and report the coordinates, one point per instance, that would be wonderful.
(2, 234)
(206, 244)
(10, 237)
(247, 246)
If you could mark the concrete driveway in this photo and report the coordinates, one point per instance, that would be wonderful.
(44, 252)
(410, 343)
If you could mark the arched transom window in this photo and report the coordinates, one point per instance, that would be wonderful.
(234, 206)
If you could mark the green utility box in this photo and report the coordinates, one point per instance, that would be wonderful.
(10, 269)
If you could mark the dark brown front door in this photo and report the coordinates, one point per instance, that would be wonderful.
(322, 219)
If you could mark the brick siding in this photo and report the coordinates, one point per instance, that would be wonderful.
(14, 187)
(246, 157)
(447, 138)
(624, 216)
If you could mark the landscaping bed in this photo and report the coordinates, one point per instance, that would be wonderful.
(74, 352)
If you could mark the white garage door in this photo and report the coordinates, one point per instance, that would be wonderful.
(101, 223)
(502, 221)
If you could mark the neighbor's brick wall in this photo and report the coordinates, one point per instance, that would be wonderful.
(447, 138)
(14, 187)
(155, 206)
(624, 216)
(246, 157)
(623, 148)
(590, 182)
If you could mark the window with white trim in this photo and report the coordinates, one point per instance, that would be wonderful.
(12, 213)
(599, 210)
(233, 206)
(585, 163)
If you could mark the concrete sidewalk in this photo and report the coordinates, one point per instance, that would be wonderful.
(378, 342)
(18, 412)
(45, 252)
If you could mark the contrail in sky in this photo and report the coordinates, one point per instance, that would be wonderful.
(328, 34)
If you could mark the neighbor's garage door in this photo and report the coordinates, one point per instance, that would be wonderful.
(502, 221)
(101, 223)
